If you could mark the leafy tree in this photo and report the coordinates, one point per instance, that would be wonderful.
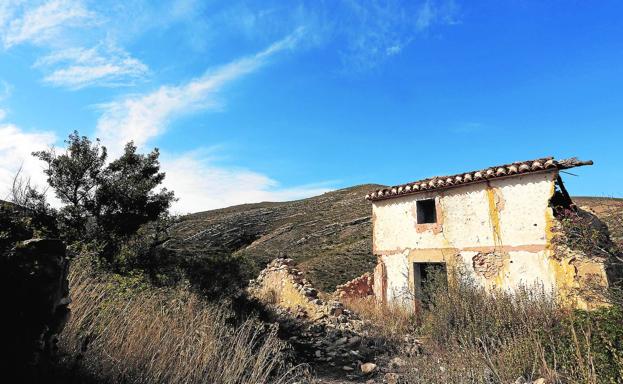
(105, 203)
(126, 196)
(74, 176)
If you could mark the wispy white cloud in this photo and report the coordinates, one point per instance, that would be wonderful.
(197, 180)
(378, 29)
(64, 28)
(143, 117)
(201, 185)
(16, 146)
(425, 16)
(41, 23)
(105, 65)
(393, 50)
(5, 90)
(433, 12)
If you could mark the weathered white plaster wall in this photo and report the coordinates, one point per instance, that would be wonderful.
(397, 269)
(510, 216)
(520, 269)
(521, 202)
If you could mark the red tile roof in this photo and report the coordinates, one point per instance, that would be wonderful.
(496, 172)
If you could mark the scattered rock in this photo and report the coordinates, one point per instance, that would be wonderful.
(368, 368)
(325, 331)
(392, 378)
(396, 363)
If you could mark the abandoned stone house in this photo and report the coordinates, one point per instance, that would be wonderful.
(495, 225)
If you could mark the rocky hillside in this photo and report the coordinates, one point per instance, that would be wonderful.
(609, 210)
(328, 236)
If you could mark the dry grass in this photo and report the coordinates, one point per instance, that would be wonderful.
(391, 321)
(123, 332)
(475, 336)
(497, 337)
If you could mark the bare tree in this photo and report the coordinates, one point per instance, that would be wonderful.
(24, 194)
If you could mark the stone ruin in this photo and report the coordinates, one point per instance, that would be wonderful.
(282, 285)
(319, 327)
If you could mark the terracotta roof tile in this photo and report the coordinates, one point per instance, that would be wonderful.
(453, 181)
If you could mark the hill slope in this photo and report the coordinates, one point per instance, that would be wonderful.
(329, 236)
(609, 210)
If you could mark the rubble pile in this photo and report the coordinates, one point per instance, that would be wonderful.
(322, 331)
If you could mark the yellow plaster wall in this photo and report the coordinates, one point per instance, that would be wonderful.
(509, 217)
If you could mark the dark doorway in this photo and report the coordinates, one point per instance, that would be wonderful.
(428, 279)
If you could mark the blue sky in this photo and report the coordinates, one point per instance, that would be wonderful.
(276, 100)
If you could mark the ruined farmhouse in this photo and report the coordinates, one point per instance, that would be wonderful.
(496, 226)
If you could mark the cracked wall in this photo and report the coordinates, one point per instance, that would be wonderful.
(498, 232)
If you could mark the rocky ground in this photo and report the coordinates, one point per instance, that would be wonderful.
(339, 346)
(328, 238)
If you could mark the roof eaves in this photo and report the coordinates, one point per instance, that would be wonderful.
(458, 180)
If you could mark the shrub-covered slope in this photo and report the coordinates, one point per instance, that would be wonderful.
(610, 211)
(329, 236)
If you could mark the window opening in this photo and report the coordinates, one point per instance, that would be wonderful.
(426, 211)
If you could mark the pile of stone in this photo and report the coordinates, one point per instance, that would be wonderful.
(285, 282)
(322, 331)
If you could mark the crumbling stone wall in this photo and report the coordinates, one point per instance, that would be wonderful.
(586, 255)
(324, 331)
(282, 284)
(359, 287)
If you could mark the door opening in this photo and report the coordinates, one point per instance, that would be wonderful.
(428, 279)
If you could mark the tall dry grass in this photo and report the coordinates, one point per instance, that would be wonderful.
(476, 336)
(389, 323)
(479, 336)
(122, 331)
